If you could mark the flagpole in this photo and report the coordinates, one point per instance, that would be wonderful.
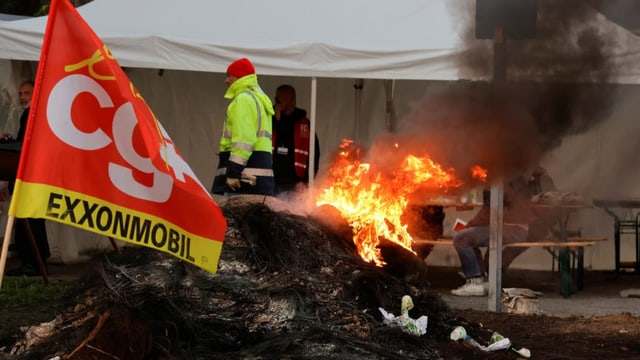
(5, 246)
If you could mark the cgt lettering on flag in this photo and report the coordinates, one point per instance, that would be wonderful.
(59, 105)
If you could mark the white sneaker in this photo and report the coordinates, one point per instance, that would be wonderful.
(473, 287)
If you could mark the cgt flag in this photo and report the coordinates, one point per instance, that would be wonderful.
(95, 157)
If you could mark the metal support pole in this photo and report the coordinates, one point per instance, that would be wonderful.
(312, 131)
(497, 189)
(359, 84)
(495, 246)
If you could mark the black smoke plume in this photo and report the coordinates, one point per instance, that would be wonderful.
(557, 84)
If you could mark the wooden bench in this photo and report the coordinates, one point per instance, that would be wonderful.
(571, 242)
(570, 255)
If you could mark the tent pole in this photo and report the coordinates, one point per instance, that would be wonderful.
(497, 188)
(312, 131)
(359, 84)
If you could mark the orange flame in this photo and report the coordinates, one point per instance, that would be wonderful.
(479, 173)
(373, 202)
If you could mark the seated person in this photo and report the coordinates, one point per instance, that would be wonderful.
(519, 225)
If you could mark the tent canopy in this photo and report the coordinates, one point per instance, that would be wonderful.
(411, 39)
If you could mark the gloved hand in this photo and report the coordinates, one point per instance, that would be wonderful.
(249, 179)
(233, 183)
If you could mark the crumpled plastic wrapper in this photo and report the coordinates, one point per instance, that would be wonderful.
(411, 326)
(631, 293)
(521, 300)
(497, 342)
(498, 339)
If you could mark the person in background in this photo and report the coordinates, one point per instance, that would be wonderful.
(520, 224)
(291, 143)
(245, 163)
(25, 91)
(38, 228)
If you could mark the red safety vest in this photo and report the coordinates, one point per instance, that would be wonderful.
(301, 143)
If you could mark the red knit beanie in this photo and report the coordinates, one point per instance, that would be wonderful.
(241, 67)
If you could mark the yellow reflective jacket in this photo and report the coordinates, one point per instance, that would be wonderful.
(243, 130)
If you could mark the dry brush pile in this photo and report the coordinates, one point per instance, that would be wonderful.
(287, 287)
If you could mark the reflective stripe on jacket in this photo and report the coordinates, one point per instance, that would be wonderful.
(265, 184)
(302, 141)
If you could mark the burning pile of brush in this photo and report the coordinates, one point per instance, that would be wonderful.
(286, 285)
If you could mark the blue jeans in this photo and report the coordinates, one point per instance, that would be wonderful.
(468, 241)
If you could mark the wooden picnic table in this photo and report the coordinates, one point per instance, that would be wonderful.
(565, 246)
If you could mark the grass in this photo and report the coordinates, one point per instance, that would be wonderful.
(25, 291)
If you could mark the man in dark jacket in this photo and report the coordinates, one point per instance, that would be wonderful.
(291, 143)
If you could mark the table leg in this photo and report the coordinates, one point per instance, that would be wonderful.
(637, 229)
(564, 264)
(580, 269)
(616, 243)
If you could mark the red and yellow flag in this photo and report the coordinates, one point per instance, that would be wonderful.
(95, 157)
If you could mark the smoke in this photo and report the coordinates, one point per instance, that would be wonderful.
(557, 85)
(622, 12)
(463, 124)
(571, 45)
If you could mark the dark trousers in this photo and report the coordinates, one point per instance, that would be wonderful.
(22, 241)
(467, 241)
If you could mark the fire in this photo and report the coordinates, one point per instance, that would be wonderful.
(479, 173)
(373, 201)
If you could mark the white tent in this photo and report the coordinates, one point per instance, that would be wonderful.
(176, 53)
(414, 39)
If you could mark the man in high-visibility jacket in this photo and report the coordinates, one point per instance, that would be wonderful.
(245, 162)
